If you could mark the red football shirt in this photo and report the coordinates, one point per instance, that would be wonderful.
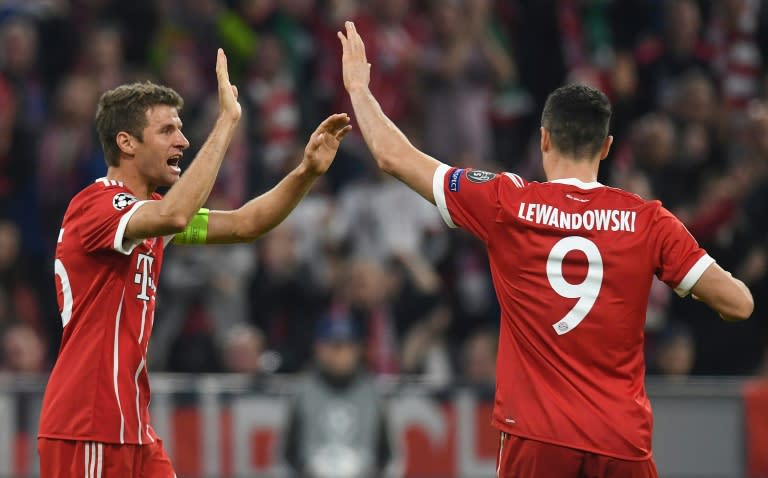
(99, 388)
(572, 264)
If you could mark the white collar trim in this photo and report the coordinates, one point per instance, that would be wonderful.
(578, 183)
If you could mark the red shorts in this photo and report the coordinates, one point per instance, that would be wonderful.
(78, 459)
(523, 458)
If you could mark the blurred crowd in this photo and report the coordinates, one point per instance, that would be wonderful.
(466, 80)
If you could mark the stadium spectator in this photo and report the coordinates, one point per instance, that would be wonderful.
(378, 218)
(286, 297)
(337, 424)
(478, 359)
(243, 351)
(681, 50)
(675, 352)
(425, 351)
(69, 156)
(462, 66)
(22, 350)
(19, 52)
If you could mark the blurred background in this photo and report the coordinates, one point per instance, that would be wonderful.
(363, 288)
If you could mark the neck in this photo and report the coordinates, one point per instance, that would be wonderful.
(138, 186)
(563, 168)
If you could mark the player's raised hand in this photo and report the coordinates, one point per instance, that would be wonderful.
(228, 105)
(324, 142)
(355, 67)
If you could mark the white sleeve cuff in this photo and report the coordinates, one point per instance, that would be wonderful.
(120, 244)
(438, 190)
(693, 275)
(168, 239)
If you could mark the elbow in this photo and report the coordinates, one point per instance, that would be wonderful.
(386, 163)
(747, 307)
(174, 222)
(246, 229)
(742, 310)
(177, 223)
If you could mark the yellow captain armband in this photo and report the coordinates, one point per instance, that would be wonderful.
(196, 231)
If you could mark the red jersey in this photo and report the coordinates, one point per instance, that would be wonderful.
(99, 389)
(572, 264)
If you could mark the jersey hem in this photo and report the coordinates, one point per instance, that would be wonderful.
(438, 190)
(596, 451)
(53, 436)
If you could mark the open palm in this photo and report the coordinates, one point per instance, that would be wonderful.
(325, 141)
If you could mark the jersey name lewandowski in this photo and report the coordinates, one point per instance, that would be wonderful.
(99, 388)
(572, 264)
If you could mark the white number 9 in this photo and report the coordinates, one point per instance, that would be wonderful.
(66, 292)
(586, 291)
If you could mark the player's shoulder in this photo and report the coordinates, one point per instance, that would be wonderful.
(104, 192)
(632, 199)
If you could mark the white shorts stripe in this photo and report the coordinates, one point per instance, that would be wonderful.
(100, 461)
(501, 449)
(87, 458)
(93, 459)
(438, 190)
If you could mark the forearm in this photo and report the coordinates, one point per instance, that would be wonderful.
(734, 314)
(394, 154)
(188, 195)
(261, 214)
(725, 294)
(386, 142)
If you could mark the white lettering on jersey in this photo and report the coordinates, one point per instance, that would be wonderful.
(143, 277)
(597, 219)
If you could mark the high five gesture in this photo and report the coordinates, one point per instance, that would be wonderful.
(228, 105)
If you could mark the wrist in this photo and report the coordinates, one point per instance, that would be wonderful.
(225, 120)
(306, 171)
(360, 89)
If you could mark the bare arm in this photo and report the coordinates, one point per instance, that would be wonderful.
(724, 293)
(394, 153)
(172, 213)
(263, 213)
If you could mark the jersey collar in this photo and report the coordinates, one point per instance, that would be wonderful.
(578, 183)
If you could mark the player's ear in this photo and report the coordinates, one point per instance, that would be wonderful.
(126, 143)
(546, 140)
(606, 147)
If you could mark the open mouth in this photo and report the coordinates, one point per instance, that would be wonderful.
(174, 161)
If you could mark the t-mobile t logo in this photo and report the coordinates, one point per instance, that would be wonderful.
(143, 277)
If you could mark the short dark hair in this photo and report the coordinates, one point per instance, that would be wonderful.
(125, 109)
(577, 118)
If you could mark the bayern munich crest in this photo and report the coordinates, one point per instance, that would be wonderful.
(123, 200)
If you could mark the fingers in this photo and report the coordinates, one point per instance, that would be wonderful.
(222, 73)
(343, 132)
(352, 42)
(356, 42)
(234, 91)
(334, 122)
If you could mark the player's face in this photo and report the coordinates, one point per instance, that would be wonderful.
(159, 154)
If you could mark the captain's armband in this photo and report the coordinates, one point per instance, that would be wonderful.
(196, 231)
